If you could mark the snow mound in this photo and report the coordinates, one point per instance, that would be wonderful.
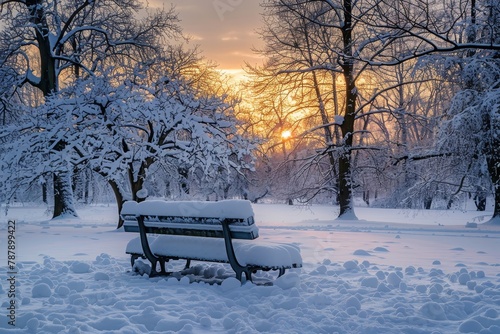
(287, 281)
(80, 267)
(361, 252)
(41, 290)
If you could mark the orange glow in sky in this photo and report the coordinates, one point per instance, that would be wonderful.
(225, 30)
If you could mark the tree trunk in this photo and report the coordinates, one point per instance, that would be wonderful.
(137, 182)
(347, 127)
(493, 162)
(495, 219)
(427, 202)
(135, 185)
(87, 185)
(63, 195)
(184, 173)
(480, 199)
(120, 199)
(345, 190)
(63, 189)
(366, 197)
(44, 193)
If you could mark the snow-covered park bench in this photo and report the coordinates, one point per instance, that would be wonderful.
(203, 231)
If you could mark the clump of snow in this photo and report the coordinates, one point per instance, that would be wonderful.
(470, 326)
(351, 265)
(370, 282)
(339, 119)
(62, 290)
(491, 313)
(433, 311)
(229, 284)
(142, 193)
(464, 278)
(103, 259)
(109, 323)
(100, 276)
(361, 252)
(353, 302)
(77, 286)
(394, 279)
(47, 281)
(41, 290)
(288, 281)
(80, 267)
(141, 267)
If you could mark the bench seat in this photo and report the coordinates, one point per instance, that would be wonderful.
(266, 255)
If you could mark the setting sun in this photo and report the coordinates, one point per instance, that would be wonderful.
(286, 134)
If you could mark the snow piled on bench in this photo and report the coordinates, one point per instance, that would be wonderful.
(259, 253)
(221, 209)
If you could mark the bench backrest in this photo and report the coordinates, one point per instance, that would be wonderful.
(192, 218)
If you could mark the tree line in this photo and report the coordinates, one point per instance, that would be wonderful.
(394, 101)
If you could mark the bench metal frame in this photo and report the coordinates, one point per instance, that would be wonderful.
(161, 260)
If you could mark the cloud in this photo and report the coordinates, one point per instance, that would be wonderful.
(229, 38)
(227, 41)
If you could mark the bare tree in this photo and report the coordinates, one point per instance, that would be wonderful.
(464, 39)
(322, 45)
(353, 40)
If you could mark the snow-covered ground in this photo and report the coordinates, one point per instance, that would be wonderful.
(393, 271)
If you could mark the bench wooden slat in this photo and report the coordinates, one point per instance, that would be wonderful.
(193, 232)
(248, 232)
(157, 220)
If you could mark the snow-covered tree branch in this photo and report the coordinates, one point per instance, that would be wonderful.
(49, 44)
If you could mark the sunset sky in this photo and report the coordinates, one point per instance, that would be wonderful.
(225, 29)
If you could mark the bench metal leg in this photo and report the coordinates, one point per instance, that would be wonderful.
(237, 267)
(147, 250)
